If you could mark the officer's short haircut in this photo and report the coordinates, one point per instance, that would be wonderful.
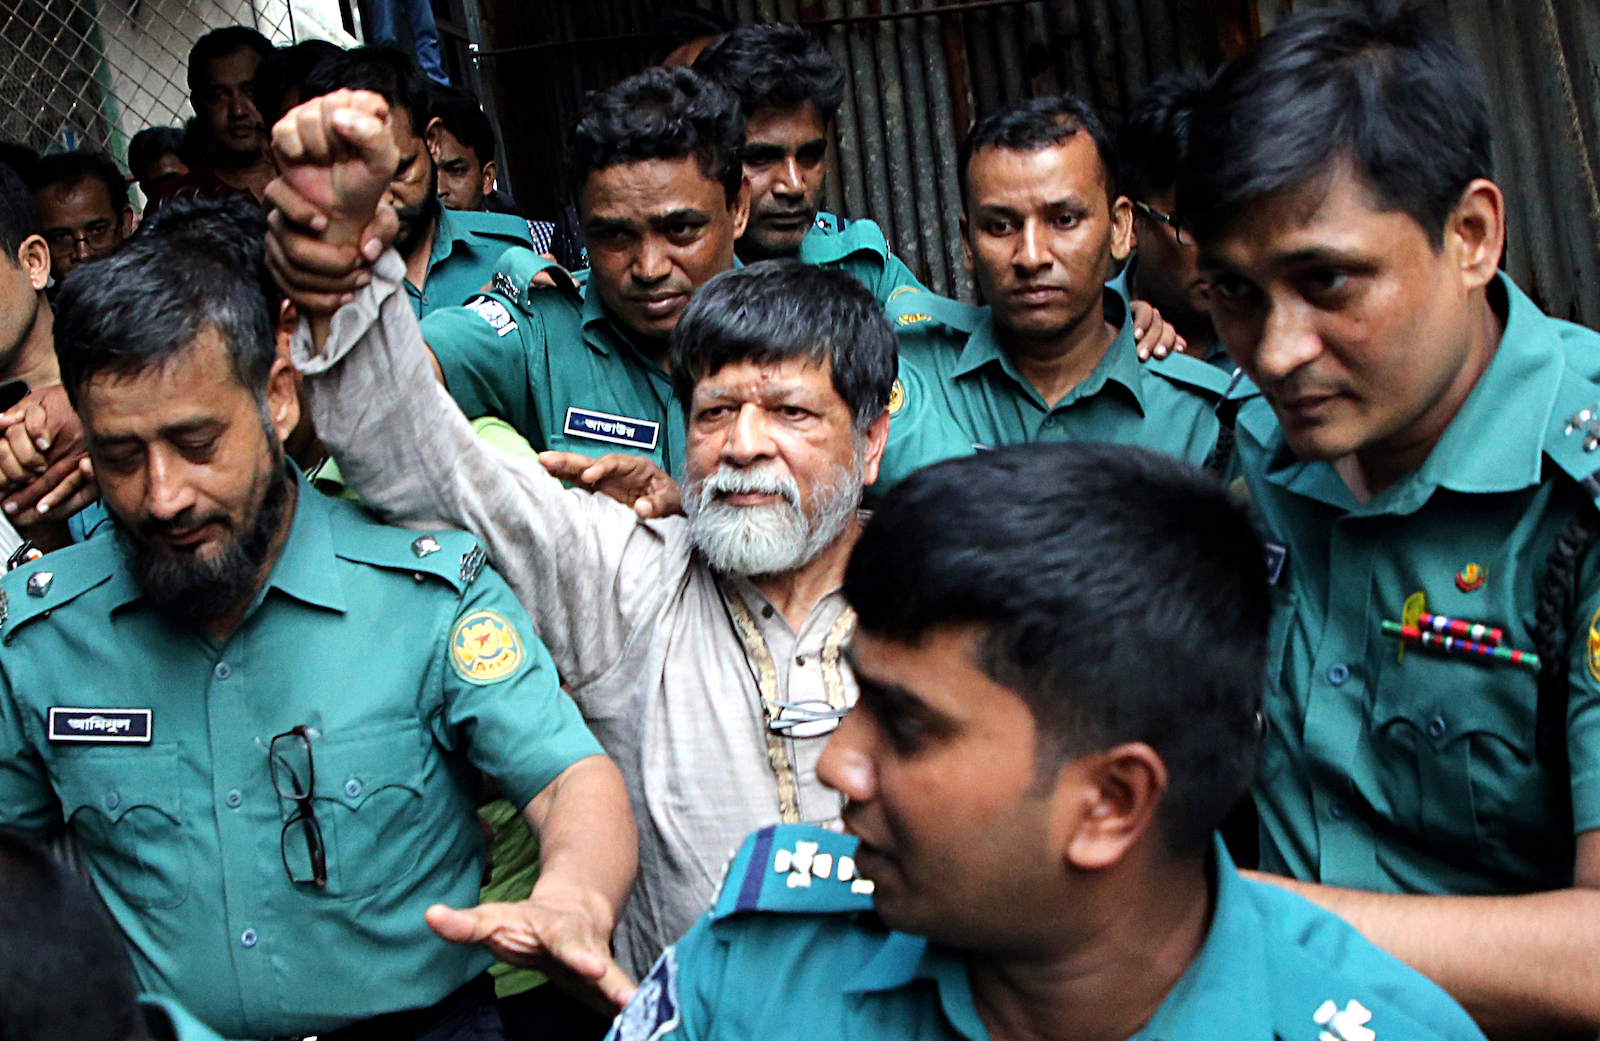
(281, 76)
(219, 43)
(1032, 124)
(459, 112)
(662, 114)
(676, 28)
(64, 968)
(1155, 134)
(64, 169)
(1377, 84)
(196, 264)
(151, 144)
(386, 71)
(778, 310)
(775, 66)
(1118, 592)
(18, 218)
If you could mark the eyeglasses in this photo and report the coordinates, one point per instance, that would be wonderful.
(294, 778)
(99, 234)
(1184, 238)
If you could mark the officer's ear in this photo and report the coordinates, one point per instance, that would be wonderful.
(491, 174)
(283, 396)
(431, 135)
(1121, 227)
(33, 256)
(740, 210)
(1106, 803)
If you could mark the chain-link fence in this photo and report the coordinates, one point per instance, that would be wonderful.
(92, 73)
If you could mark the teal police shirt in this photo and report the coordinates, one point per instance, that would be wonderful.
(959, 391)
(791, 951)
(414, 667)
(558, 366)
(1401, 768)
(857, 246)
(466, 248)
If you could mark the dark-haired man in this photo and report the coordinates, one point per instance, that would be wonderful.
(1053, 355)
(1059, 653)
(1164, 269)
(64, 974)
(706, 651)
(155, 154)
(82, 201)
(450, 254)
(259, 712)
(1422, 459)
(222, 72)
(461, 140)
(790, 89)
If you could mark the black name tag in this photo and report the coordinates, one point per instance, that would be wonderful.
(619, 430)
(100, 726)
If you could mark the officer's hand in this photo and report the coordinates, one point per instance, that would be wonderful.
(569, 928)
(630, 479)
(1155, 338)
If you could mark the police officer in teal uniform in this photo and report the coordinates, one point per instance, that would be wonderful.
(1059, 652)
(450, 254)
(1422, 460)
(1053, 357)
(580, 365)
(259, 712)
(790, 89)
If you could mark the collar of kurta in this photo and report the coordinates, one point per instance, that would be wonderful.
(1220, 994)
(1495, 443)
(306, 566)
(1120, 365)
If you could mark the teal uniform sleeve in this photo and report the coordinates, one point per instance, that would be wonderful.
(28, 803)
(1583, 709)
(503, 696)
(921, 431)
(481, 351)
(678, 998)
(897, 276)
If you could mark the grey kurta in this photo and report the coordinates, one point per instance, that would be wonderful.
(639, 626)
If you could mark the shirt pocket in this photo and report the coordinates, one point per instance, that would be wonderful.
(126, 810)
(369, 803)
(1280, 711)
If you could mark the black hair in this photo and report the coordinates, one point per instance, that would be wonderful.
(1155, 134)
(775, 66)
(69, 168)
(1378, 83)
(219, 43)
(662, 114)
(65, 974)
(776, 310)
(1031, 124)
(151, 144)
(459, 112)
(676, 28)
(18, 156)
(1118, 592)
(18, 218)
(195, 264)
(385, 71)
(281, 76)
(196, 142)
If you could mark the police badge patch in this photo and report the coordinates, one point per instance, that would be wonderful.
(897, 397)
(493, 312)
(485, 648)
(653, 1011)
(1594, 647)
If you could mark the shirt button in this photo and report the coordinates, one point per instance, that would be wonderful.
(352, 788)
(235, 799)
(248, 938)
(1337, 674)
(800, 659)
(113, 800)
(1437, 726)
(222, 671)
(766, 612)
(1337, 810)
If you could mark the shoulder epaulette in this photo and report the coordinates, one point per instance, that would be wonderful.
(1572, 441)
(1192, 372)
(40, 586)
(794, 869)
(910, 308)
(493, 225)
(514, 274)
(860, 236)
(453, 556)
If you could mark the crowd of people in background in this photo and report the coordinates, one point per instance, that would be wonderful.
(426, 621)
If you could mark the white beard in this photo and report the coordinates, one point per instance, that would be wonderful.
(776, 537)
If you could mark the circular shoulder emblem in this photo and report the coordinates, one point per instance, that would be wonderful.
(484, 648)
(897, 397)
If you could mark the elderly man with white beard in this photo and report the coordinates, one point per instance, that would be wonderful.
(704, 651)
